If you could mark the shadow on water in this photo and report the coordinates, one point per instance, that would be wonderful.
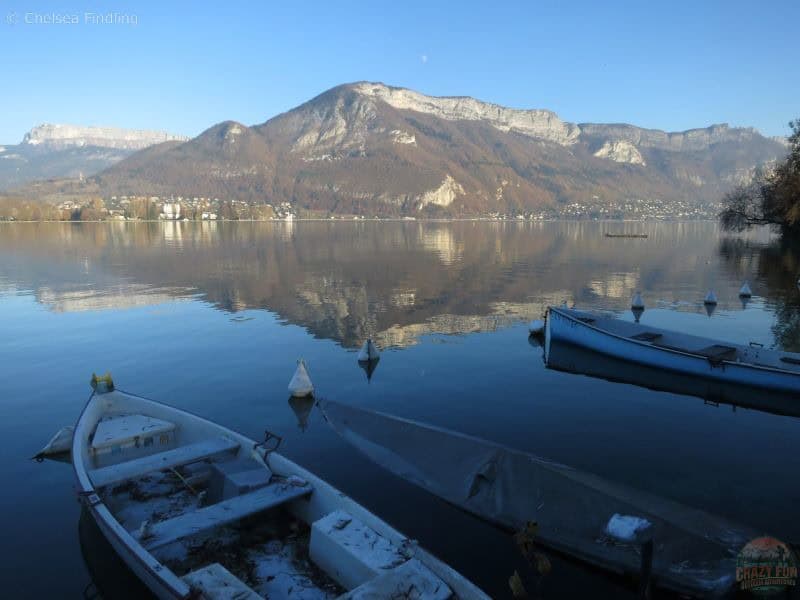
(777, 267)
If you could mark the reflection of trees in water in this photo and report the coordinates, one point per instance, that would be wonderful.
(777, 266)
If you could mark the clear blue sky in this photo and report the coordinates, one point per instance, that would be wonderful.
(187, 65)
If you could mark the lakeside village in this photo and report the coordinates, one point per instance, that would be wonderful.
(155, 208)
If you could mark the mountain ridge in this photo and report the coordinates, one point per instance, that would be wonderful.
(60, 151)
(59, 136)
(368, 148)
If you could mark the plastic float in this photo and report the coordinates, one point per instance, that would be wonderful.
(300, 386)
(368, 352)
(745, 291)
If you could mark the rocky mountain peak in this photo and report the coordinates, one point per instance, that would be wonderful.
(58, 136)
(536, 123)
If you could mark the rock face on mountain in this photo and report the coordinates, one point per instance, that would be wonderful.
(59, 137)
(57, 151)
(620, 151)
(541, 124)
(368, 148)
(684, 141)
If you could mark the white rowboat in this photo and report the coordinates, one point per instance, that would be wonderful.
(197, 510)
(752, 365)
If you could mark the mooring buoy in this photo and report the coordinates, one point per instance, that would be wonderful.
(300, 385)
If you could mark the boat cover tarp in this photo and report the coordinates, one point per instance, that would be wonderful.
(694, 553)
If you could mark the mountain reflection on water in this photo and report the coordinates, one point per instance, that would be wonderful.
(210, 339)
(393, 281)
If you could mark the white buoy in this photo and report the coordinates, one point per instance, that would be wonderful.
(368, 352)
(60, 443)
(536, 327)
(300, 386)
(637, 301)
(745, 291)
(711, 298)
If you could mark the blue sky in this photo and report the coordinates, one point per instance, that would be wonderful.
(187, 65)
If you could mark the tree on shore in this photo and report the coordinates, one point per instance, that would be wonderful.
(772, 198)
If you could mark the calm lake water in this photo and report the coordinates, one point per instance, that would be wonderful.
(212, 317)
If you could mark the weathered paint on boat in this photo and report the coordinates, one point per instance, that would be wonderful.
(753, 366)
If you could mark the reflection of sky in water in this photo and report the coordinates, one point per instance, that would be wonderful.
(254, 298)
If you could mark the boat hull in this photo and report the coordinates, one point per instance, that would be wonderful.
(569, 358)
(565, 327)
(160, 588)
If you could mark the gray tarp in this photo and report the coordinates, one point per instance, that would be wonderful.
(694, 551)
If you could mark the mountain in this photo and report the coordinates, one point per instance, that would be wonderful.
(59, 151)
(373, 149)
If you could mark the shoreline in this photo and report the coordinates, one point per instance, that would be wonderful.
(375, 220)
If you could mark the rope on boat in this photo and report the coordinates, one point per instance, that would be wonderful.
(183, 480)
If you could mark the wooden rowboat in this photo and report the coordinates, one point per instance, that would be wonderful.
(752, 365)
(199, 511)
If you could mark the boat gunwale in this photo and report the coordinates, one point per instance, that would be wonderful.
(672, 350)
(110, 525)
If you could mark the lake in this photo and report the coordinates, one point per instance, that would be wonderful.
(213, 316)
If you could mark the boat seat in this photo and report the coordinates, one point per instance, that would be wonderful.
(127, 430)
(412, 579)
(215, 581)
(228, 511)
(183, 455)
(351, 552)
(716, 353)
(647, 336)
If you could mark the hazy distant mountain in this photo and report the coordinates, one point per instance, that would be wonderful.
(58, 151)
(370, 148)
